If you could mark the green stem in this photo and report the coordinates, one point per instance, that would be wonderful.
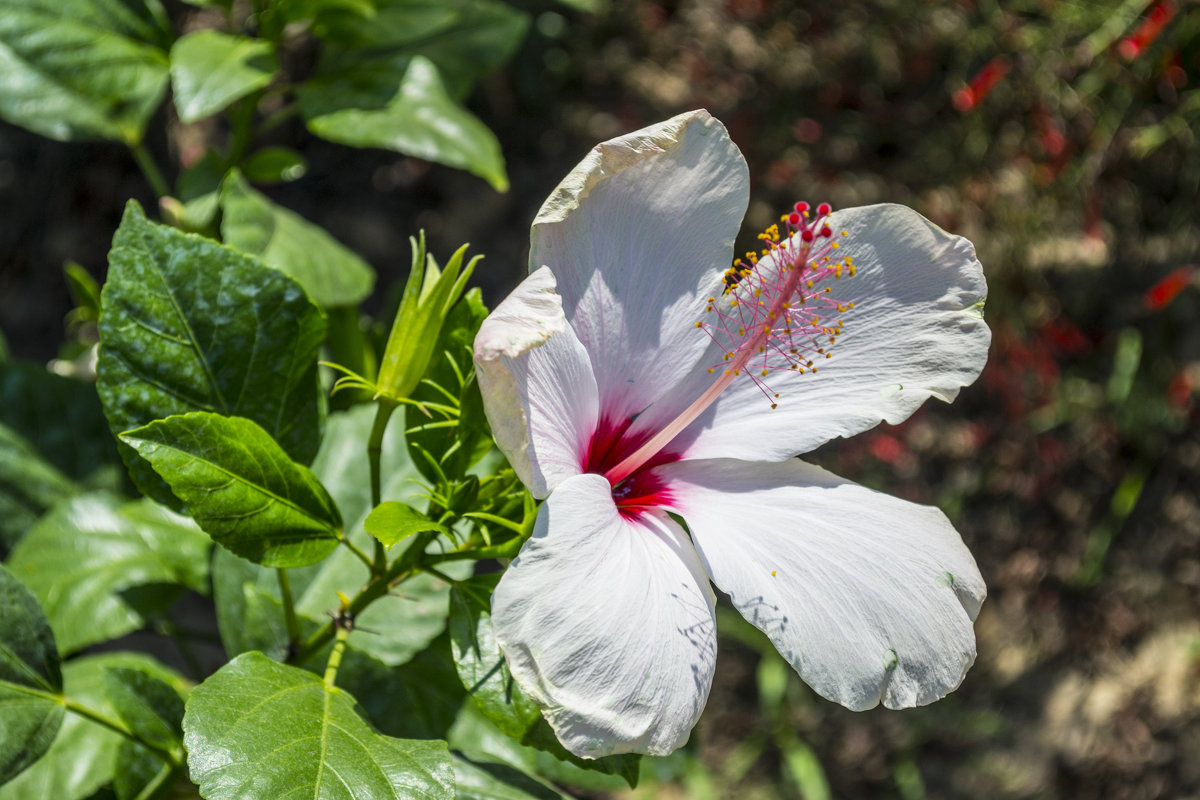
(374, 453)
(289, 607)
(150, 169)
(167, 773)
(363, 557)
(335, 658)
(401, 569)
(117, 727)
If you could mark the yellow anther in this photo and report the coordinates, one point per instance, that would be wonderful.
(699, 324)
(710, 370)
(764, 374)
(834, 245)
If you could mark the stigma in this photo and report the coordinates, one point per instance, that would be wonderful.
(777, 309)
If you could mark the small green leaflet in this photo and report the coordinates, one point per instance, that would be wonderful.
(391, 522)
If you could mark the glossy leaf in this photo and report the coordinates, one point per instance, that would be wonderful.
(30, 680)
(421, 119)
(249, 611)
(485, 674)
(210, 70)
(241, 488)
(190, 325)
(85, 560)
(135, 768)
(76, 69)
(259, 729)
(393, 522)
(28, 486)
(84, 754)
(329, 271)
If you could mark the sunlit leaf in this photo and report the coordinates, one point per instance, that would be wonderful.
(391, 522)
(82, 68)
(420, 119)
(241, 488)
(210, 70)
(329, 271)
(258, 728)
(190, 325)
(85, 559)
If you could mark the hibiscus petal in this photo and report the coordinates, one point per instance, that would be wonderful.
(868, 597)
(607, 622)
(916, 331)
(638, 235)
(537, 385)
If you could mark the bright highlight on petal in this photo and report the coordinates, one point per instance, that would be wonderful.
(870, 598)
(667, 381)
(607, 622)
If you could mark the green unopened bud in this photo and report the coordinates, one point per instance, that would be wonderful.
(428, 296)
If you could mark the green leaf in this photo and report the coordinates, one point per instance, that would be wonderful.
(62, 419)
(367, 53)
(421, 119)
(84, 558)
(258, 729)
(391, 522)
(483, 780)
(189, 325)
(210, 70)
(330, 273)
(199, 189)
(275, 165)
(417, 700)
(28, 486)
(241, 488)
(484, 673)
(84, 754)
(135, 769)
(76, 69)
(249, 612)
(150, 707)
(30, 714)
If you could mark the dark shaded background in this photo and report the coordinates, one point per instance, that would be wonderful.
(1059, 137)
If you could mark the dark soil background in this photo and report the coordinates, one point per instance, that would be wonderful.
(1071, 467)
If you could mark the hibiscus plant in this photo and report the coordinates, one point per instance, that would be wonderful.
(490, 572)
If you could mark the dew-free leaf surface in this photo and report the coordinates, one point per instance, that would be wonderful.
(257, 728)
(330, 272)
(191, 325)
(85, 560)
(210, 70)
(30, 679)
(241, 488)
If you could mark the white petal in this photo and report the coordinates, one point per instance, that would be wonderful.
(638, 235)
(607, 622)
(537, 385)
(916, 331)
(868, 597)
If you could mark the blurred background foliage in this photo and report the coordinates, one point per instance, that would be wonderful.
(1059, 135)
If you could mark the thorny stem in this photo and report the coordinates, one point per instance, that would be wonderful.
(401, 569)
